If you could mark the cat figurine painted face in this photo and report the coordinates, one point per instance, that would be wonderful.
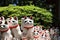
(27, 22)
(4, 27)
(13, 20)
(36, 33)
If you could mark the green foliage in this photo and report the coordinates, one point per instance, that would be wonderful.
(40, 15)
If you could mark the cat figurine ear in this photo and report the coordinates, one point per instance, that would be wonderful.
(15, 18)
(2, 18)
(10, 18)
(25, 17)
(30, 17)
